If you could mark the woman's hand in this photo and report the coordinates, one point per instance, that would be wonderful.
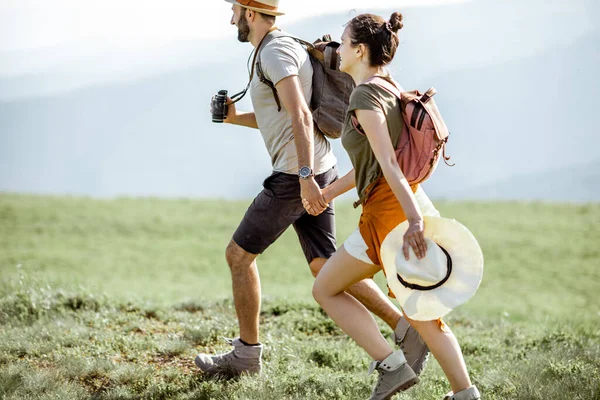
(414, 238)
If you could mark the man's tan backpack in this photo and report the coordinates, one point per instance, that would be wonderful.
(331, 88)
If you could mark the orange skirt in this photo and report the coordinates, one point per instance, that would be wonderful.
(381, 214)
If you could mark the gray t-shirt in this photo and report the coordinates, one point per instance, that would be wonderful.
(281, 58)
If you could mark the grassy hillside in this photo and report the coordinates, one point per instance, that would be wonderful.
(112, 299)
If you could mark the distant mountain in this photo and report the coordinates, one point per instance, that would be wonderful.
(152, 137)
(55, 71)
(522, 117)
(577, 183)
(517, 101)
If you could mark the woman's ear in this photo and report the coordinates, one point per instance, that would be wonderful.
(361, 51)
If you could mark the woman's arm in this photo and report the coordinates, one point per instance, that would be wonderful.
(375, 126)
(339, 187)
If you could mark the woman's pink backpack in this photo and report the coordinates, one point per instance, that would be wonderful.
(425, 133)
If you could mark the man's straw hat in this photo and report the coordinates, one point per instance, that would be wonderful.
(445, 278)
(269, 7)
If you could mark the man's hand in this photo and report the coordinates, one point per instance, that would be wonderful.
(231, 110)
(312, 198)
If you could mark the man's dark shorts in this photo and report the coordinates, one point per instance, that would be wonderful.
(277, 207)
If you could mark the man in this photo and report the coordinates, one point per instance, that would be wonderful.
(302, 164)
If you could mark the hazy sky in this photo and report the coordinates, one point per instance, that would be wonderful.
(27, 24)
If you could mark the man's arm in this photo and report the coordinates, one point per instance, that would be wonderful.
(247, 119)
(292, 98)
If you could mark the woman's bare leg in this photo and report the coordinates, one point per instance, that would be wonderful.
(446, 350)
(339, 273)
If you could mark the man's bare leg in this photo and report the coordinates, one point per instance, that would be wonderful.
(246, 291)
(247, 352)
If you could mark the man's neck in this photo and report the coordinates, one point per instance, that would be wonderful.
(259, 33)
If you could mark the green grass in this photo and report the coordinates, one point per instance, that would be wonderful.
(111, 299)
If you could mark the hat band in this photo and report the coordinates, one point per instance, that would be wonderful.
(257, 4)
(437, 285)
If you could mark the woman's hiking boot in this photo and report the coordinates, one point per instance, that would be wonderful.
(470, 393)
(414, 348)
(395, 375)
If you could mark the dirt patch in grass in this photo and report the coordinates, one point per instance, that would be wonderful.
(184, 364)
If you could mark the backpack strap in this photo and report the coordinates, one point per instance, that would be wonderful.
(384, 83)
(428, 95)
(259, 72)
(263, 79)
(238, 96)
(275, 34)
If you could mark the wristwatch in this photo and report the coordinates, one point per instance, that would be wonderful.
(305, 172)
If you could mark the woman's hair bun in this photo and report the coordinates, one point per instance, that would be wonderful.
(396, 22)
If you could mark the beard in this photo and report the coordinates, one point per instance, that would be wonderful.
(243, 29)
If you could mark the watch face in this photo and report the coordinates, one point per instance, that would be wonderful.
(304, 172)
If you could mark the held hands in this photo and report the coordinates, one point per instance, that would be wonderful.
(312, 198)
(414, 238)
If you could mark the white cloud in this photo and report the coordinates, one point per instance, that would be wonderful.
(124, 23)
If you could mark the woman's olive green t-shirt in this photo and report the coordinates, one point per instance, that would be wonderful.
(372, 97)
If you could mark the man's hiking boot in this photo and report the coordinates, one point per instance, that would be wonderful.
(410, 342)
(395, 375)
(242, 359)
(470, 393)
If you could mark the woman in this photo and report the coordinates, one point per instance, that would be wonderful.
(368, 45)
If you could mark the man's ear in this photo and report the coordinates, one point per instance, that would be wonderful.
(250, 15)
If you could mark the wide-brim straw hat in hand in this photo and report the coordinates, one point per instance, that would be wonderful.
(445, 278)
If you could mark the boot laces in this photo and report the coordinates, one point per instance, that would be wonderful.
(373, 367)
(225, 358)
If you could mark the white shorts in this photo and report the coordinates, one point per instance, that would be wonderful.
(355, 244)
